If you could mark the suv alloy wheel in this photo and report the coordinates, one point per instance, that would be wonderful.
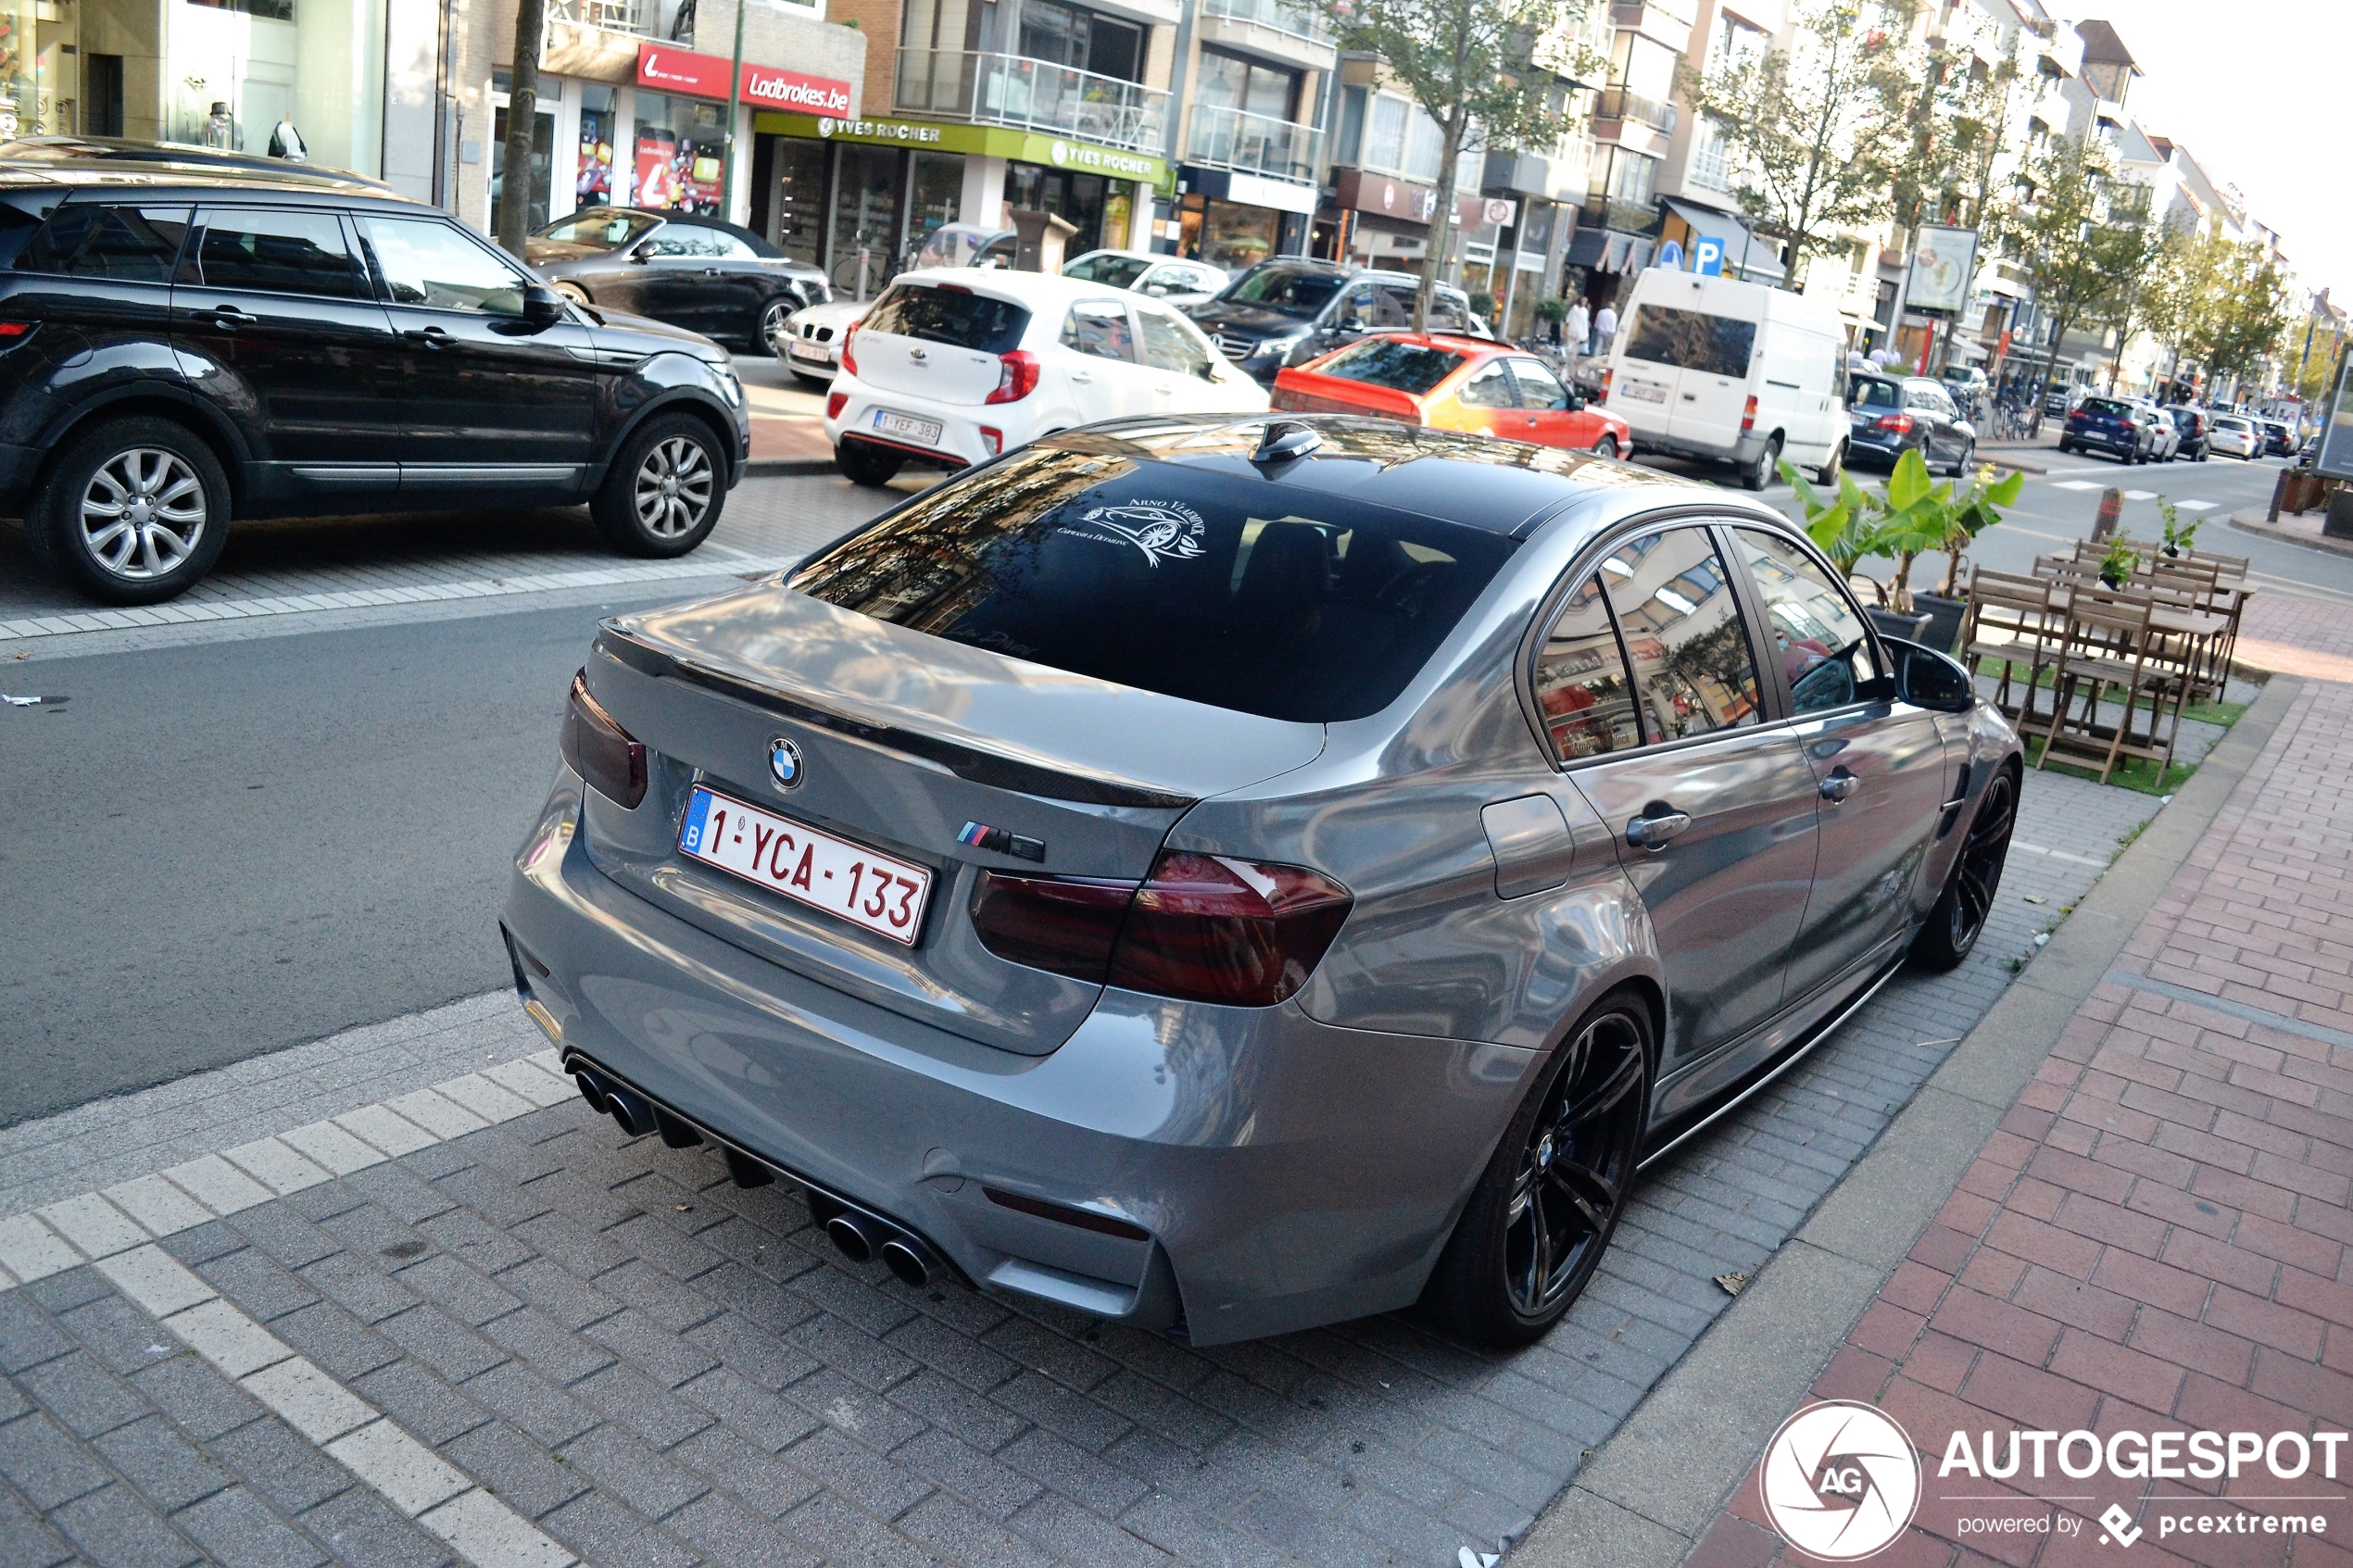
(663, 495)
(135, 511)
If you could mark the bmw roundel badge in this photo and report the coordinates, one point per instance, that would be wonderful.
(784, 762)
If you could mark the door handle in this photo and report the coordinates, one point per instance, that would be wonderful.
(1651, 833)
(1839, 786)
(229, 318)
(1083, 378)
(432, 337)
(711, 272)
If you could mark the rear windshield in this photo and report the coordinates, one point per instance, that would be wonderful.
(1693, 340)
(1878, 394)
(2109, 406)
(1289, 290)
(1172, 579)
(948, 315)
(1113, 271)
(1401, 366)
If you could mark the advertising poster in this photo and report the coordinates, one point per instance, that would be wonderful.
(1943, 265)
(594, 187)
(656, 181)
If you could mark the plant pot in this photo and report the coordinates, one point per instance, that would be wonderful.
(1943, 620)
(1888, 624)
(2111, 583)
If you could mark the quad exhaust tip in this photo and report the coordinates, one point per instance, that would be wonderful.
(859, 1237)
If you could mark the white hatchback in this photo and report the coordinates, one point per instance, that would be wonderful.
(2236, 434)
(952, 367)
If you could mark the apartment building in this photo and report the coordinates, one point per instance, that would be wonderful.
(1254, 81)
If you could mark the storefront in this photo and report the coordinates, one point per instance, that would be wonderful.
(1233, 219)
(857, 198)
(1379, 220)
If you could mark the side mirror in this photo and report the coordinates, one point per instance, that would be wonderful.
(1576, 402)
(641, 256)
(1928, 679)
(542, 307)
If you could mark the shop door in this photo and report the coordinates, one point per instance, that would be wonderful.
(866, 234)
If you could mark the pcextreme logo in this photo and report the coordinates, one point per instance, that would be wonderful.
(1841, 1481)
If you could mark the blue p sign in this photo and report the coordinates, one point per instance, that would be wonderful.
(1707, 256)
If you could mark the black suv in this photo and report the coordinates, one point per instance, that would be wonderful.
(184, 343)
(1288, 310)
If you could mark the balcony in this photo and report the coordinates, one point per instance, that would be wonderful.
(1228, 138)
(1268, 28)
(1621, 105)
(1032, 95)
(1608, 212)
(1273, 14)
(638, 19)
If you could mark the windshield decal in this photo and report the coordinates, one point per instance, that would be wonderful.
(1162, 530)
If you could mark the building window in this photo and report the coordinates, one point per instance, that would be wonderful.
(1231, 82)
(1385, 141)
(1707, 157)
(678, 152)
(1632, 177)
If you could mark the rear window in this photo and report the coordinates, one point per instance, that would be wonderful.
(1172, 579)
(2109, 406)
(1693, 340)
(1878, 394)
(948, 315)
(1401, 367)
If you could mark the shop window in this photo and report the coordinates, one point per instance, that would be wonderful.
(934, 194)
(600, 134)
(542, 172)
(796, 215)
(679, 147)
(865, 231)
(1234, 236)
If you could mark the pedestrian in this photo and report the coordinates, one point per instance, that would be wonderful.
(1576, 332)
(1604, 329)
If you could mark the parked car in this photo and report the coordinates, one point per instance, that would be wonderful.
(2060, 400)
(1288, 310)
(2236, 434)
(193, 343)
(953, 367)
(1187, 836)
(2164, 438)
(1970, 392)
(2111, 425)
(2196, 426)
(814, 337)
(1888, 415)
(1447, 383)
(1179, 281)
(2278, 440)
(713, 278)
(1729, 372)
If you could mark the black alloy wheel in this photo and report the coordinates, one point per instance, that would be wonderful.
(1958, 918)
(1535, 1228)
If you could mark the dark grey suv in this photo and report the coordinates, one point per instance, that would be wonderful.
(183, 344)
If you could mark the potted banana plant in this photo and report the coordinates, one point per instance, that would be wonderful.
(1913, 516)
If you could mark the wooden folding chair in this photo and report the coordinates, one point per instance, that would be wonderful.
(2109, 646)
(2009, 619)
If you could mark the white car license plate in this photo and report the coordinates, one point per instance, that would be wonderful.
(1644, 392)
(907, 428)
(883, 894)
(809, 354)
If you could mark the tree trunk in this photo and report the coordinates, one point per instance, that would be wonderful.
(1441, 217)
(2050, 370)
(522, 118)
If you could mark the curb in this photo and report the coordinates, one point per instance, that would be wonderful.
(787, 468)
(1648, 1494)
(2257, 524)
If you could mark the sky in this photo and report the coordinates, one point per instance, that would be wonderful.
(2255, 89)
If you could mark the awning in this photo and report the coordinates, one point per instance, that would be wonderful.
(1758, 261)
(1609, 250)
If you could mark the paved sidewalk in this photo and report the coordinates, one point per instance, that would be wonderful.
(2156, 1237)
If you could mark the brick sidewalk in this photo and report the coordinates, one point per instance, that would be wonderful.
(2155, 1238)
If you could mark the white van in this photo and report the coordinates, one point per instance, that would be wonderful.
(1737, 372)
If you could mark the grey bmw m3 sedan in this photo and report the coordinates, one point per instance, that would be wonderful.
(1232, 877)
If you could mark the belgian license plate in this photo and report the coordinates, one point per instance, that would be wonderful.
(1644, 392)
(882, 894)
(906, 427)
(810, 354)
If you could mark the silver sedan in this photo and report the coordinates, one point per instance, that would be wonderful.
(1231, 876)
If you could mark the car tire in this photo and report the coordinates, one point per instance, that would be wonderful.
(1961, 461)
(571, 290)
(1959, 915)
(1605, 447)
(2201, 454)
(2066, 448)
(1562, 1172)
(133, 512)
(1827, 473)
(862, 464)
(768, 334)
(1756, 475)
(663, 496)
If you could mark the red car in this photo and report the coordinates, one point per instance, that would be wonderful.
(1449, 382)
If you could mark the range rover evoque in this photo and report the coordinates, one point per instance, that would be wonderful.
(184, 341)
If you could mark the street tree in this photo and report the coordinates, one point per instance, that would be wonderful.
(522, 118)
(1496, 69)
(2246, 318)
(1812, 132)
(2074, 225)
(2174, 292)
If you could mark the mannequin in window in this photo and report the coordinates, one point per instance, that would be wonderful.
(285, 142)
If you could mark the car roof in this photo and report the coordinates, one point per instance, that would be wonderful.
(111, 161)
(1499, 486)
(1025, 288)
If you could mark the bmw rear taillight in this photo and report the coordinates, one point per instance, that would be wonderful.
(833, 404)
(599, 750)
(1016, 376)
(1202, 928)
(848, 360)
(1748, 415)
(1900, 423)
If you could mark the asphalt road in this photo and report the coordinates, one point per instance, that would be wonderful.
(219, 851)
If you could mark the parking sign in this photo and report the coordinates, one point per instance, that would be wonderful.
(1707, 256)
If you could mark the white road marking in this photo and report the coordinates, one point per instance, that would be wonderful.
(2075, 484)
(2059, 854)
(113, 1238)
(2140, 495)
(2197, 506)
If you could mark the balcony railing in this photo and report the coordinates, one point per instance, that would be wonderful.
(1229, 138)
(639, 19)
(1608, 212)
(1033, 95)
(1271, 14)
(1622, 104)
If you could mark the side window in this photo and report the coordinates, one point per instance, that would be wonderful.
(1489, 387)
(729, 247)
(1817, 633)
(283, 252)
(1449, 311)
(1692, 669)
(1394, 308)
(129, 243)
(1099, 327)
(427, 262)
(676, 240)
(1169, 344)
(1539, 388)
(1582, 685)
